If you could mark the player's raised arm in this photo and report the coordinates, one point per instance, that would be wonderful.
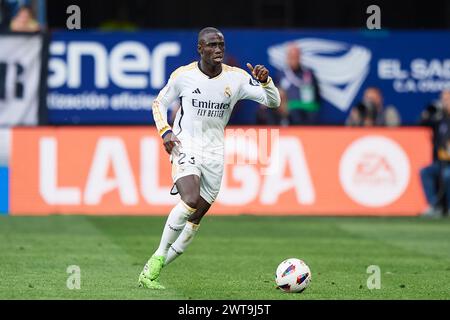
(159, 108)
(263, 90)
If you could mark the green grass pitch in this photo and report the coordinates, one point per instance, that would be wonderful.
(231, 257)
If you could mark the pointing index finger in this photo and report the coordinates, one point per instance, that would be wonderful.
(250, 67)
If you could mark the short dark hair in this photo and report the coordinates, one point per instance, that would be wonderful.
(206, 31)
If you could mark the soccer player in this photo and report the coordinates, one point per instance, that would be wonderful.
(207, 90)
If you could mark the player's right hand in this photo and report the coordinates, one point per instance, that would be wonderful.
(259, 72)
(171, 143)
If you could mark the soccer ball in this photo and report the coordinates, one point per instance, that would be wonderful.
(293, 275)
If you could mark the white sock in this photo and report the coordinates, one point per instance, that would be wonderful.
(174, 225)
(182, 242)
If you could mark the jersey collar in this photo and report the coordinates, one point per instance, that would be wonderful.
(198, 67)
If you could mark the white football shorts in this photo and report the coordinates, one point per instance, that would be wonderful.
(208, 169)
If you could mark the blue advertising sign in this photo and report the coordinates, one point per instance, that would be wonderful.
(112, 77)
(4, 190)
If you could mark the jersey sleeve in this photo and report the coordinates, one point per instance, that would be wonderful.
(160, 105)
(264, 93)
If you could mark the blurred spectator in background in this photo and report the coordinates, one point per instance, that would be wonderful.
(430, 117)
(299, 90)
(436, 177)
(9, 9)
(371, 111)
(24, 21)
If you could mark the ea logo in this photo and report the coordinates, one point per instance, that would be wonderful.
(374, 171)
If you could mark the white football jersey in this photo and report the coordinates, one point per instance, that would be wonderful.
(206, 103)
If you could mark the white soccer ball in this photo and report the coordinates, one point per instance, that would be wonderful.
(293, 275)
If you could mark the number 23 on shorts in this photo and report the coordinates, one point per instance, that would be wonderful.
(183, 159)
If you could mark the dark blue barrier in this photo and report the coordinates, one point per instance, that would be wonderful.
(111, 78)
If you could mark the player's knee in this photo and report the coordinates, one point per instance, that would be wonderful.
(191, 199)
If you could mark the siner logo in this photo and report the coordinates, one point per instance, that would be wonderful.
(341, 68)
(374, 171)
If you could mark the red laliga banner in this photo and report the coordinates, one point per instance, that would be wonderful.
(268, 171)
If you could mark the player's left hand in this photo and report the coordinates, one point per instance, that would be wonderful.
(259, 72)
(171, 143)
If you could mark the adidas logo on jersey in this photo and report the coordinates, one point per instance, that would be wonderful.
(196, 91)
